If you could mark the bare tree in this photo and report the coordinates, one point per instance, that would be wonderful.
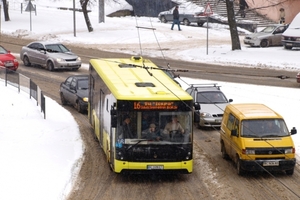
(84, 4)
(5, 9)
(235, 40)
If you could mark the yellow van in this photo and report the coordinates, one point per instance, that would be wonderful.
(256, 138)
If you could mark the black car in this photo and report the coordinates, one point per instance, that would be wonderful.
(74, 91)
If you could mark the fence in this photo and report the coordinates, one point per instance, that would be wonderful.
(25, 84)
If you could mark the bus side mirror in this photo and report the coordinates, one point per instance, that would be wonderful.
(197, 117)
(113, 118)
(197, 106)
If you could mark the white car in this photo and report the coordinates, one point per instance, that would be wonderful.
(269, 36)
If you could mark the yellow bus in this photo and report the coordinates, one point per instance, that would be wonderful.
(142, 118)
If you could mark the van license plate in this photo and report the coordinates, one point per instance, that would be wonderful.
(271, 163)
(151, 167)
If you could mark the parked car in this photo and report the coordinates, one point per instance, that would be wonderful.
(170, 73)
(211, 103)
(7, 60)
(51, 55)
(269, 36)
(188, 13)
(291, 37)
(74, 91)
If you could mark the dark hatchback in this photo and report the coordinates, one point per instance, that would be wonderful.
(74, 91)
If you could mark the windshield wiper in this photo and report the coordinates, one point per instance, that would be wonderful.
(251, 136)
(138, 141)
(270, 135)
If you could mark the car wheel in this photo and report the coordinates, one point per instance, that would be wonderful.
(163, 19)
(240, 171)
(289, 172)
(200, 24)
(287, 47)
(223, 151)
(186, 22)
(79, 107)
(62, 99)
(26, 61)
(264, 43)
(50, 66)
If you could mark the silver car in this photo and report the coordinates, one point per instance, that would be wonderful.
(50, 55)
(210, 103)
(269, 36)
(188, 13)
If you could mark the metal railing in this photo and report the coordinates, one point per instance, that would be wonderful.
(25, 84)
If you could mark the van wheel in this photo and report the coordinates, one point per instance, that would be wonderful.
(289, 172)
(223, 151)
(240, 171)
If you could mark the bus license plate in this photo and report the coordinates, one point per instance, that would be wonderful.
(151, 167)
(271, 163)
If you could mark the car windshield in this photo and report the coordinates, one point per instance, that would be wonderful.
(264, 128)
(268, 29)
(56, 48)
(2, 50)
(83, 84)
(210, 97)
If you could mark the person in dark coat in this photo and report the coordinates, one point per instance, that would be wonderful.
(176, 18)
(126, 129)
(243, 6)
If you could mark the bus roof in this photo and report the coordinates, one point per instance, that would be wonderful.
(253, 111)
(128, 79)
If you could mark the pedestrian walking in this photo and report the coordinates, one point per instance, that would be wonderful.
(281, 16)
(176, 18)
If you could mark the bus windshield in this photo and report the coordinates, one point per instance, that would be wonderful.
(154, 127)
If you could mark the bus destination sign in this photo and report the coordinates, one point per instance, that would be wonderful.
(153, 105)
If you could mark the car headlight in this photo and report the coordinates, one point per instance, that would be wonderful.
(59, 60)
(288, 151)
(205, 114)
(250, 152)
(85, 99)
(78, 59)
